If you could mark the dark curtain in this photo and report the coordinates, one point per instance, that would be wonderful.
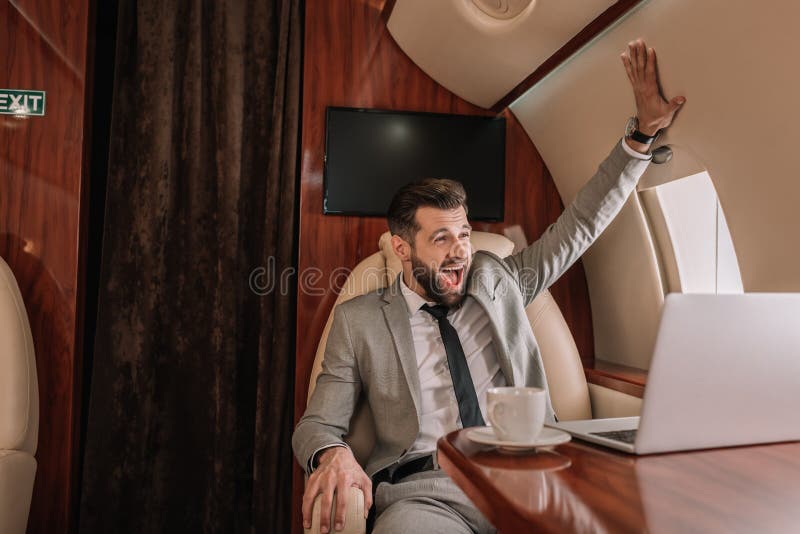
(191, 401)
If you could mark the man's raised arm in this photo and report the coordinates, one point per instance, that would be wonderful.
(599, 201)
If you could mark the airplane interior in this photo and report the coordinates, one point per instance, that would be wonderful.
(222, 224)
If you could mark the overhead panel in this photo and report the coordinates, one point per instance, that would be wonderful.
(481, 49)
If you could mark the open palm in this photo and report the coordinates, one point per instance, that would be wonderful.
(653, 110)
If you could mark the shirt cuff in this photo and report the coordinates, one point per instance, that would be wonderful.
(632, 153)
(311, 466)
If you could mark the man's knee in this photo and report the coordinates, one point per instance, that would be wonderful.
(421, 517)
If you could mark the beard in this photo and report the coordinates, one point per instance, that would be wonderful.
(429, 280)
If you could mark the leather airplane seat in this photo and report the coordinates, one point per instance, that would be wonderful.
(19, 407)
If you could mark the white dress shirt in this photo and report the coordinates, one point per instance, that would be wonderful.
(438, 404)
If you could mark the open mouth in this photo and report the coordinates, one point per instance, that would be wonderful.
(452, 276)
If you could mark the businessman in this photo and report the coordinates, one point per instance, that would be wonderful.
(424, 351)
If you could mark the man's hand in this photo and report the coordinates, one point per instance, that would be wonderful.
(653, 110)
(338, 470)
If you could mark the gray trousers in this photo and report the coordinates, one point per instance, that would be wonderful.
(426, 503)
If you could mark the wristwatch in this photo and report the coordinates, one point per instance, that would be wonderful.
(632, 132)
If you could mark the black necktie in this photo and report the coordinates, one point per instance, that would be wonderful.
(468, 407)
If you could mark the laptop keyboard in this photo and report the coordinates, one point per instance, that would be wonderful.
(625, 436)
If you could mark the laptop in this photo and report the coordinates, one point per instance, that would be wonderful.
(725, 372)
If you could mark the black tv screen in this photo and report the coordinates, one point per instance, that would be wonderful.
(369, 154)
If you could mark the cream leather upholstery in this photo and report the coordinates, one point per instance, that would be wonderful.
(19, 407)
(568, 389)
(562, 362)
(608, 403)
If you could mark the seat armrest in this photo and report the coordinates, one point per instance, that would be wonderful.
(354, 522)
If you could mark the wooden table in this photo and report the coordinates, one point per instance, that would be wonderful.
(578, 487)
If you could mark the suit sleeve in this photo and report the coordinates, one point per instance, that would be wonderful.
(327, 417)
(539, 265)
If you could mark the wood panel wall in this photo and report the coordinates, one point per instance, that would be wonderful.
(43, 45)
(352, 60)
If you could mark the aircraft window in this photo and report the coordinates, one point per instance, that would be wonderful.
(691, 235)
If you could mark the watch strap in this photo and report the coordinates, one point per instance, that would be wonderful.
(640, 137)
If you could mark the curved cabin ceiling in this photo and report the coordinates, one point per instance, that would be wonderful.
(736, 64)
(481, 49)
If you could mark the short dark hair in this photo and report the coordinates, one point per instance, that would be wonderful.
(440, 193)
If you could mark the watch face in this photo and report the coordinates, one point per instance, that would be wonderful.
(633, 123)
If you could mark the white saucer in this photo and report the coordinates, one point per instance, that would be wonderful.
(549, 437)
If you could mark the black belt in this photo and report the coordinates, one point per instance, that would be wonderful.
(417, 465)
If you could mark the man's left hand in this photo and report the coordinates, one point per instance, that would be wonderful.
(653, 110)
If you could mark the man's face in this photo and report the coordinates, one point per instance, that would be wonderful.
(441, 254)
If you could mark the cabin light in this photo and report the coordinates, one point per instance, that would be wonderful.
(502, 9)
(672, 162)
(18, 114)
(662, 154)
(29, 247)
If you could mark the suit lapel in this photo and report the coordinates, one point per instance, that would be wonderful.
(395, 312)
(479, 289)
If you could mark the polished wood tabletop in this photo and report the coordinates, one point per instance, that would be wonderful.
(579, 487)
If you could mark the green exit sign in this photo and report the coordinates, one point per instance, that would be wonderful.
(21, 102)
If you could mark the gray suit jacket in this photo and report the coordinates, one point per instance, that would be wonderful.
(370, 350)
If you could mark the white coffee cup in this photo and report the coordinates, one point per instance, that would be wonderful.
(516, 413)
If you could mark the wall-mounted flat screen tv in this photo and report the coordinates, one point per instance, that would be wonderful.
(369, 154)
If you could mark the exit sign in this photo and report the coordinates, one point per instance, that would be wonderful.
(21, 102)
